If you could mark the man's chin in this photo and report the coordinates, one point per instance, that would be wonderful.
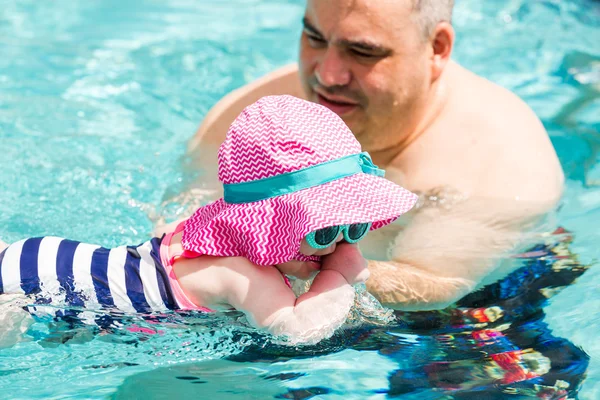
(354, 121)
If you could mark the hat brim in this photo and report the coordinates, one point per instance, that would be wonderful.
(269, 232)
(355, 199)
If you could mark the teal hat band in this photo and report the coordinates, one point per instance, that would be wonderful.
(290, 182)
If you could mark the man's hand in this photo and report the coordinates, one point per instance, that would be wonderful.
(348, 261)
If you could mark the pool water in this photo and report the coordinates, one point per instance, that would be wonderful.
(97, 102)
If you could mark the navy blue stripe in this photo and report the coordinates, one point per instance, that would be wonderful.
(161, 276)
(100, 277)
(1, 259)
(133, 282)
(30, 280)
(70, 316)
(107, 321)
(64, 271)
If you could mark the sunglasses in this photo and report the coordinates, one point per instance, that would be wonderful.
(325, 237)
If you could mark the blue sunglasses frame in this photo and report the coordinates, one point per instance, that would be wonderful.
(310, 238)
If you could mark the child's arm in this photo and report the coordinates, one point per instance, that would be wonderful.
(261, 293)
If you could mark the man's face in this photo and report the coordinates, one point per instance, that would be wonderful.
(366, 61)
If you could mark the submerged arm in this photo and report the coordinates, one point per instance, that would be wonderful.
(444, 254)
(404, 287)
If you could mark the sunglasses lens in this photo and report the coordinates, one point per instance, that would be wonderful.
(326, 236)
(357, 231)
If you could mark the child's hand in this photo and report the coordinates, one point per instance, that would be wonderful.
(348, 261)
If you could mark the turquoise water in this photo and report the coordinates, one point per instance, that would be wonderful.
(97, 102)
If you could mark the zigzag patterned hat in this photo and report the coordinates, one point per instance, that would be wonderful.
(289, 167)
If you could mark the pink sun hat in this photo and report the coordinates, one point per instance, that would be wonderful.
(289, 167)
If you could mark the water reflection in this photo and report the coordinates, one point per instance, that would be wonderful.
(493, 344)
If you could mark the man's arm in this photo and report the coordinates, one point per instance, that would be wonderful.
(496, 177)
(446, 253)
(403, 287)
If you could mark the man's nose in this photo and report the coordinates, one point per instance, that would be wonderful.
(332, 69)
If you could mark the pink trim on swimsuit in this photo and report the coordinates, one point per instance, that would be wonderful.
(167, 261)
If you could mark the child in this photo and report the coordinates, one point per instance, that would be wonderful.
(298, 195)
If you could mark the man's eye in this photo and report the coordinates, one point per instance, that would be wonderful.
(362, 54)
(315, 40)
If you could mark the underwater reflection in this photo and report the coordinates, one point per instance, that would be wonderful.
(493, 344)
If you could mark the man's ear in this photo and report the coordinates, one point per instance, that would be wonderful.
(442, 42)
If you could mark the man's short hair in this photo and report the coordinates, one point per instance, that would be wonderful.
(431, 12)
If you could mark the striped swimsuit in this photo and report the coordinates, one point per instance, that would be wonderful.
(132, 279)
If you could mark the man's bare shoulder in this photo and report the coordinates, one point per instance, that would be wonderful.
(521, 162)
(487, 142)
(214, 127)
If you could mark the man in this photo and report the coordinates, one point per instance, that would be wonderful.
(478, 155)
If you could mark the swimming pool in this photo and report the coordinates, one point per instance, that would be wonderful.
(97, 101)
